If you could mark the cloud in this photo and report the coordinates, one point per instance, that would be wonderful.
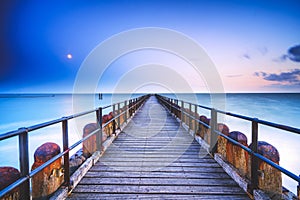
(294, 53)
(263, 50)
(247, 56)
(234, 75)
(291, 77)
(259, 51)
(281, 59)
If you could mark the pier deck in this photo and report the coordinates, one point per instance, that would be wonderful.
(154, 157)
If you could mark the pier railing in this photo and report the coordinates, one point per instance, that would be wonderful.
(121, 113)
(188, 113)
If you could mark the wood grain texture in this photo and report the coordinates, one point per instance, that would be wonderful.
(155, 158)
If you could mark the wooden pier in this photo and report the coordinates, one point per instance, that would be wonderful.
(149, 148)
(154, 157)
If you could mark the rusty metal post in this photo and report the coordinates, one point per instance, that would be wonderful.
(89, 146)
(213, 134)
(235, 155)
(99, 133)
(254, 159)
(269, 179)
(8, 176)
(24, 164)
(66, 156)
(47, 181)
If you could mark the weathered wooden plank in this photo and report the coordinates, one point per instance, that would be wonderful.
(143, 168)
(134, 189)
(156, 181)
(157, 159)
(97, 196)
(93, 174)
(155, 163)
(150, 155)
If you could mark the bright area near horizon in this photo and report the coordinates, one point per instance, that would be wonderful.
(249, 42)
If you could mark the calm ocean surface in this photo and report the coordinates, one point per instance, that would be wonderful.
(26, 110)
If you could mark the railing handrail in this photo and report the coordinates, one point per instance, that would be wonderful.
(258, 121)
(26, 130)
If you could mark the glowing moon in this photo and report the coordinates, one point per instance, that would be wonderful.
(69, 56)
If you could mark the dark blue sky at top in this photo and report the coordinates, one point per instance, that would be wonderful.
(36, 36)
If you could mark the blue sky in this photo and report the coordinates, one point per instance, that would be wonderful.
(248, 40)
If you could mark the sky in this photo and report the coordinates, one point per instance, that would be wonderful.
(254, 44)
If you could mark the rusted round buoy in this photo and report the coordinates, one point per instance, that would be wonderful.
(203, 130)
(223, 128)
(268, 151)
(235, 155)
(222, 142)
(45, 152)
(270, 179)
(204, 119)
(47, 181)
(105, 119)
(8, 176)
(239, 137)
(89, 128)
(89, 145)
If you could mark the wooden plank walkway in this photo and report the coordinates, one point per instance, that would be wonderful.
(155, 158)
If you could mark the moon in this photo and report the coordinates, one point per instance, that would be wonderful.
(69, 56)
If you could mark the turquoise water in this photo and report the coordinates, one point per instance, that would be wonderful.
(26, 110)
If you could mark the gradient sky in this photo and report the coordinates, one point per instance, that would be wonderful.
(248, 40)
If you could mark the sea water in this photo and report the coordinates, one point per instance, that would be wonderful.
(25, 110)
(29, 109)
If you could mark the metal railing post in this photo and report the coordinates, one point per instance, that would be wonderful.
(195, 122)
(119, 116)
(24, 164)
(182, 113)
(66, 155)
(254, 159)
(213, 134)
(114, 121)
(126, 111)
(130, 109)
(99, 133)
(298, 190)
(190, 116)
(178, 111)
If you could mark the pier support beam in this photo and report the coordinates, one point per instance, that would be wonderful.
(222, 142)
(8, 176)
(269, 178)
(237, 156)
(50, 178)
